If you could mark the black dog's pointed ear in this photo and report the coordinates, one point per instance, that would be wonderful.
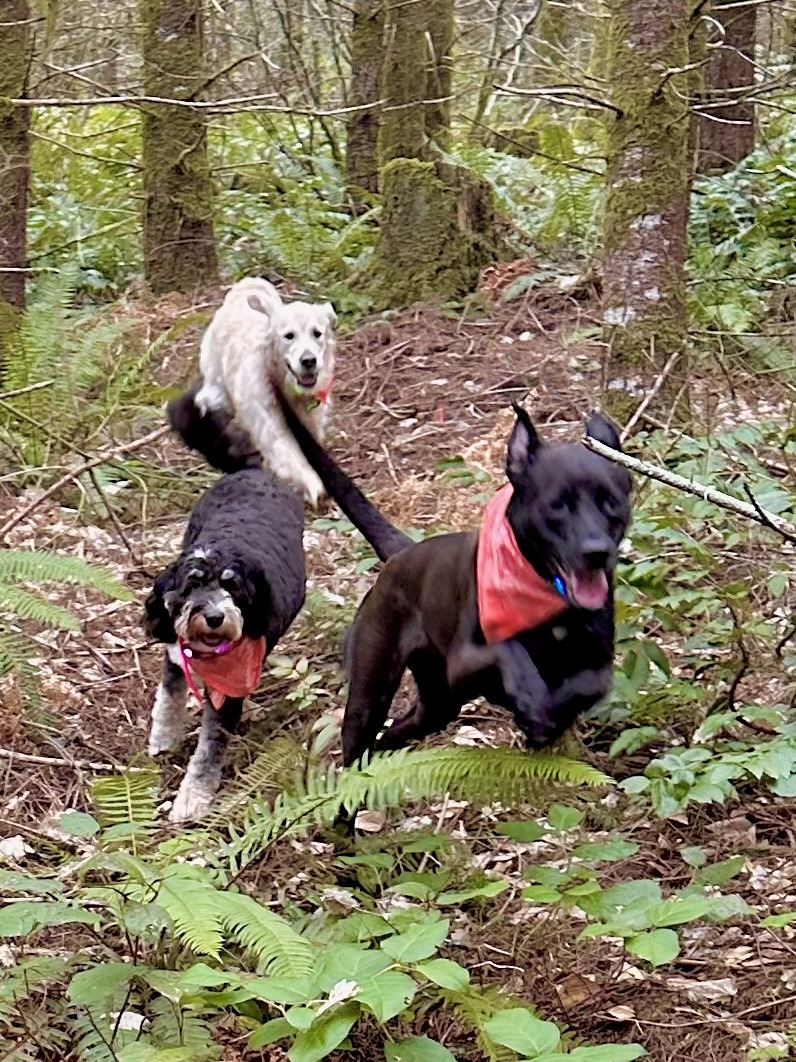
(523, 446)
(158, 622)
(603, 430)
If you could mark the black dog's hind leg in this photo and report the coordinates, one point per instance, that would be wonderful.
(377, 661)
(169, 715)
(203, 773)
(437, 704)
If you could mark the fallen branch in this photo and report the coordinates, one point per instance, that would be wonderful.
(726, 501)
(55, 761)
(99, 459)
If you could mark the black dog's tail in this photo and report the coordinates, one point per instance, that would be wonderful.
(366, 518)
(216, 435)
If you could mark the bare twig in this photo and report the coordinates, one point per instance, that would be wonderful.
(751, 512)
(649, 396)
(57, 761)
(99, 459)
(26, 390)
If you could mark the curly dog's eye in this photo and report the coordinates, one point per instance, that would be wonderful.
(229, 579)
(289, 336)
(317, 333)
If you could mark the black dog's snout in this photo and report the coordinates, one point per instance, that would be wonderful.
(597, 558)
(214, 619)
(308, 362)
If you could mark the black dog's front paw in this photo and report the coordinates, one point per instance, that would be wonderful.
(539, 733)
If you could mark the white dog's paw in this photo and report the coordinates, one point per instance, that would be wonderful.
(192, 800)
(313, 490)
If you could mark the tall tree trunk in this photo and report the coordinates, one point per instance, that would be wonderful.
(179, 244)
(441, 32)
(403, 125)
(725, 135)
(647, 186)
(15, 49)
(367, 58)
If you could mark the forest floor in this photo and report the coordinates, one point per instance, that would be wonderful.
(421, 417)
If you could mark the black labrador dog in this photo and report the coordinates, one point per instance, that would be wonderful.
(520, 613)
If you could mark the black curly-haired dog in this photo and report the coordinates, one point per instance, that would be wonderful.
(224, 603)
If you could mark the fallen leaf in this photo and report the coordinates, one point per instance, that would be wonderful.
(14, 848)
(703, 991)
(622, 1013)
(575, 989)
(369, 821)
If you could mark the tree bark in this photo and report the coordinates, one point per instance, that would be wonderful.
(179, 243)
(367, 59)
(403, 125)
(15, 49)
(441, 15)
(647, 187)
(726, 135)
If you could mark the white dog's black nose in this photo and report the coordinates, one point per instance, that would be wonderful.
(309, 362)
(214, 619)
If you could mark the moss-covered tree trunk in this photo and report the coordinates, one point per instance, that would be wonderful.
(726, 134)
(403, 124)
(647, 190)
(179, 244)
(15, 50)
(439, 83)
(367, 59)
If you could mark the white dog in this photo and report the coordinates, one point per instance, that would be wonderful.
(257, 344)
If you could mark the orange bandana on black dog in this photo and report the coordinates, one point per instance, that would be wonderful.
(233, 670)
(512, 596)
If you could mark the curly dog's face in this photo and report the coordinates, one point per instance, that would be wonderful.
(199, 600)
(303, 334)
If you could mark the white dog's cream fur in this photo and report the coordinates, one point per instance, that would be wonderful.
(257, 344)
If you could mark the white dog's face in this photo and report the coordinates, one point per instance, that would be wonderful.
(303, 337)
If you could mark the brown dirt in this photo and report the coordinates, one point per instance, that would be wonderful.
(411, 391)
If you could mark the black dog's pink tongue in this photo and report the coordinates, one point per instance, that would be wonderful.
(588, 589)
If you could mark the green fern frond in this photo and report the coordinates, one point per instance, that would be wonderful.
(35, 566)
(194, 908)
(278, 948)
(15, 655)
(474, 1006)
(94, 1037)
(28, 606)
(391, 779)
(275, 769)
(127, 797)
(173, 1026)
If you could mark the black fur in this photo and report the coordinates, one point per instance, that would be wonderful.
(215, 435)
(569, 512)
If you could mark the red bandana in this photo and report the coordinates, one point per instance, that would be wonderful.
(229, 672)
(313, 399)
(512, 596)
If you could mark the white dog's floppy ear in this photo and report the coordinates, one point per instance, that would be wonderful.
(258, 304)
(331, 316)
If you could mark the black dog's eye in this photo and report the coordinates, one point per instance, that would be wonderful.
(608, 503)
(289, 336)
(317, 333)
